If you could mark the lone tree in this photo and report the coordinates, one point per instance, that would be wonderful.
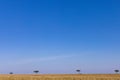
(36, 71)
(11, 73)
(78, 71)
(116, 71)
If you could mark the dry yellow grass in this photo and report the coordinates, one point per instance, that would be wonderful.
(62, 77)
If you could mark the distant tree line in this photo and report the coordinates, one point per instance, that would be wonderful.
(78, 71)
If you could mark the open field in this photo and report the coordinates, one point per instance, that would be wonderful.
(62, 77)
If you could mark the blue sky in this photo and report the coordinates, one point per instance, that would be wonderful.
(59, 36)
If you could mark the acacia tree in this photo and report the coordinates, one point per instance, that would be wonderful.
(36, 71)
(116, 71)
(78, 71)
(11, 73)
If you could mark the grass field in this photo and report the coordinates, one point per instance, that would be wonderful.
(62, 77)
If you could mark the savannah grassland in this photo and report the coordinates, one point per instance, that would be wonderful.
(61, 77)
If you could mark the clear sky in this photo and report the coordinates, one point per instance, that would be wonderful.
(59, 36)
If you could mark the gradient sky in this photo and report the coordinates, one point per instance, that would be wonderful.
(59, 36)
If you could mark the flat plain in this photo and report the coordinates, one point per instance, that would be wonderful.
(60, 77)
